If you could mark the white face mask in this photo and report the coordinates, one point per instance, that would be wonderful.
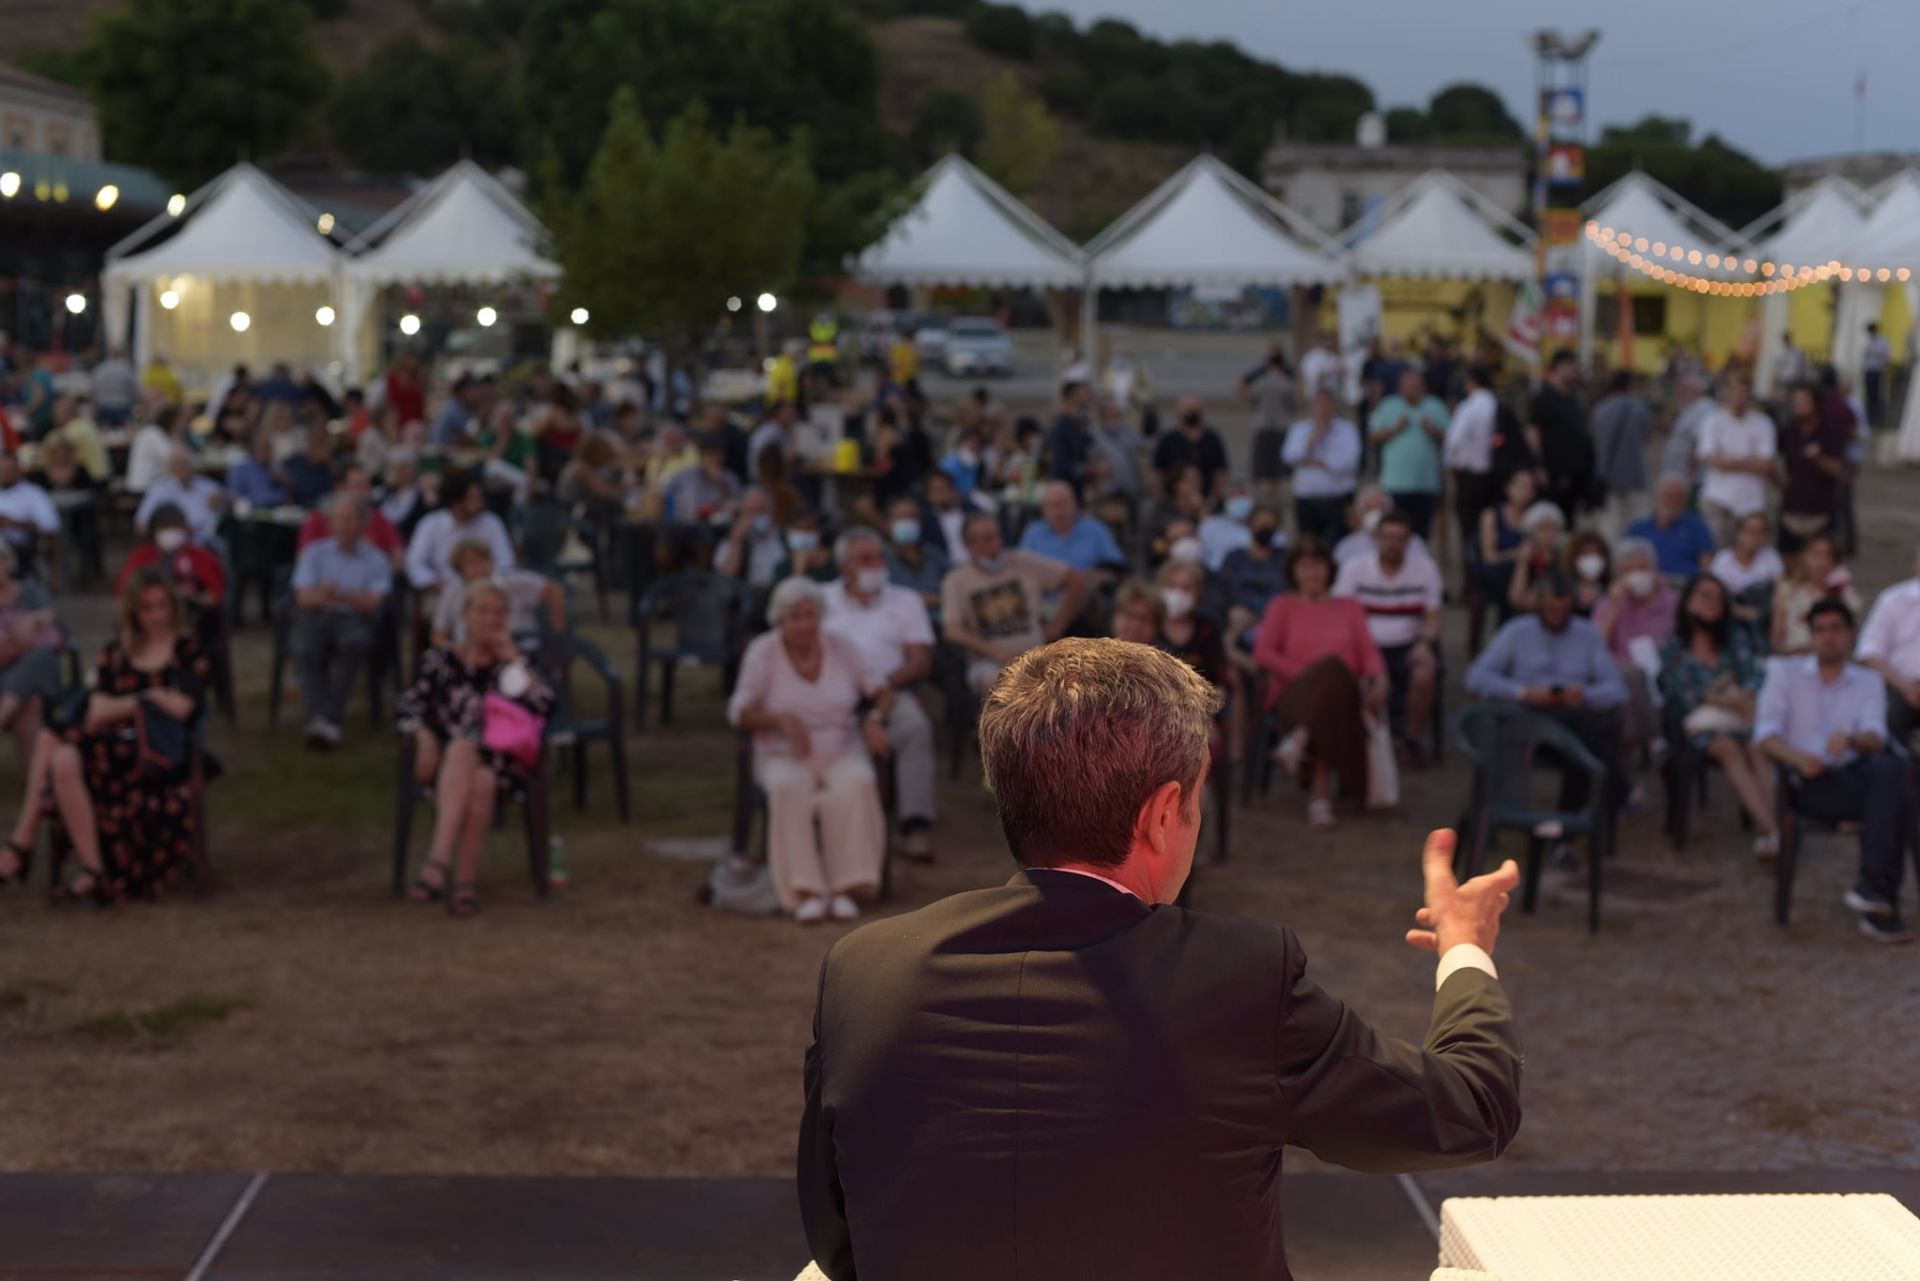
(1371, 521)
(514, 680)
(170, 540)
(870, 581)
(1186, 549)
(1178, 600)
(1591, 566)
(1640, 582)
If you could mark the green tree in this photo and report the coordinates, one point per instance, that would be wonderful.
(416, 109)
(1721, 179)
(1021, 138)
(1471, 111)
(661, 232)
(189, 86)
(946, 122)
(1004, 29)
(1408, 124)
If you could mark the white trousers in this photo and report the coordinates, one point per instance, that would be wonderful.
(847, 853)
(912, 736)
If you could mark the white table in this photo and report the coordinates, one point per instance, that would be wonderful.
(1686, 1238)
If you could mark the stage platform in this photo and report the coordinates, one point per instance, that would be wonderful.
(321, 1227)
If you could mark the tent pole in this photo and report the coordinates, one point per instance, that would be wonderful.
(1089, 326)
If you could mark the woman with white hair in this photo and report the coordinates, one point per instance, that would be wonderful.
(817, 714)
(1546, 528)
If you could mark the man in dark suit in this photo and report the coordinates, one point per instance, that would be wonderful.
(1067, 1077)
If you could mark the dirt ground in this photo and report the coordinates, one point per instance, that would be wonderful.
(301, 1020)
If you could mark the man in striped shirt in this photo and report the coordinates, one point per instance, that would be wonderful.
(1400, 590)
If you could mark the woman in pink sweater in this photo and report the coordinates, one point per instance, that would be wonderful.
(1325, 676)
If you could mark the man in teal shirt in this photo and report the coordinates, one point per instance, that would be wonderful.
(1407, 429)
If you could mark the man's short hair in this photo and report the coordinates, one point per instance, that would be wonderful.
(1563, 357)
(1077, 735)
(975, 518)
(1830, 605)
(1395, 516)
(1555, 584)
(843, 547)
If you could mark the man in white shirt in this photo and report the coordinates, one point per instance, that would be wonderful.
(27, 515)
(1873, 372)
(1467, 452)
(1370, 506)
(1825, 720)
(1401, 594)
(890, 628)
(1322, 369)
(1324, 452)
(1737, 448)
(201, 499)
(116, 389)
(1890, 645)
(464, 516)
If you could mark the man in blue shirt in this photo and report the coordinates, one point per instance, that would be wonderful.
(915, 560)
(1558, 666)
(339, 586)
(1680, 538)
(1825, 719)
(310, 474)
(1065, 533)
(455, 419)
(254, 479)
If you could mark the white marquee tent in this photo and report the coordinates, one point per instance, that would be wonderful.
(1438, 228)
(1890, 238)
(243, 245)
(463, 228)
(1813, 227)
(1648, 210)
(967, 231)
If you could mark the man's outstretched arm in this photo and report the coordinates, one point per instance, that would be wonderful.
(823, 1205)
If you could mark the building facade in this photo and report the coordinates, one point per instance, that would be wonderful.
(42, 117)
(1864, 169)
(1335, 185)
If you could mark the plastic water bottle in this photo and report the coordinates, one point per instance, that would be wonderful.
(556, 863)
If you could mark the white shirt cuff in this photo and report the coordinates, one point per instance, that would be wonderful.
(1463, 956)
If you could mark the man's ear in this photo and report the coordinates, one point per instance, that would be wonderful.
(1161, 816)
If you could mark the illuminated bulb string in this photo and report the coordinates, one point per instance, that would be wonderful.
(1651, 259)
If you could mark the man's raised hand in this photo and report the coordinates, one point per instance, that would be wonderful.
(1457, 913)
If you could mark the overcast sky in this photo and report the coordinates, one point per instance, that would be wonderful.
(1774, 77)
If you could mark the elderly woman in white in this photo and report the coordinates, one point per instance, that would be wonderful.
(818, 716)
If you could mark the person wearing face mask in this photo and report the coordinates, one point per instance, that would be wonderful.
(890, 627)
(990, 606)
(1251, 577)
(1194, 445)
(966, 465)
(808, 554)
(194, 571)
(1225, 531)
(912, 561)
(1591, 565)
(1370, 506)
(1065, 533)
(1187, 631)
(753, 549)
(1635, 618)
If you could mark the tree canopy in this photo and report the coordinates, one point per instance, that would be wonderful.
(1020, 139)
(416, 108)
(1721, 179)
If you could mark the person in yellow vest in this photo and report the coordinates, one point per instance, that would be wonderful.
(159, 378)
(823, 349)
(783, 380)
(903, 365)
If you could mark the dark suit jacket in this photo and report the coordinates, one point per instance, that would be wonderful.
(1053, 1081)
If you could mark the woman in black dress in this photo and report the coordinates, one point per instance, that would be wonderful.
(445, 712)
(127, 827)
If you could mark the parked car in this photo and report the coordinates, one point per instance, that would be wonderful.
(931, 338)
(879, 332)
(977, 345)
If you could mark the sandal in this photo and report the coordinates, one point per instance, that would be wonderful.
(24, 855)
(465, 902)
(93, 893)
(1320, 812)
(425, 891)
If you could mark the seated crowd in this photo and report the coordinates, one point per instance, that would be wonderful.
(1695, 619)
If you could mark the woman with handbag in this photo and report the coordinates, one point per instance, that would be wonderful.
(476, 713)
(1709, 683)
(112, 772)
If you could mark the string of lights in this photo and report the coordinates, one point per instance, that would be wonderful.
(1667, 264)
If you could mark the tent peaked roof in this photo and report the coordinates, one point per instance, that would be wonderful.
(968, 231)
(240, 226)
(1438, 227)
(1814, 225)
(1891, 236)
(464, 226)
(1207, 225)
(1646, 208)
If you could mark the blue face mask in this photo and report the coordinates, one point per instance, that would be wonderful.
(802, 540)
(761, 524)
(993, 566)
(906, 532)
(1239, 508)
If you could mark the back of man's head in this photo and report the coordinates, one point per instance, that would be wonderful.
(1076, 738)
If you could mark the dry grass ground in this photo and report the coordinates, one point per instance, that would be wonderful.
(302, 1020)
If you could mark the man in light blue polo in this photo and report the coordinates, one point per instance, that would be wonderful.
(1065, 533)
(1408, 429)
(339, 586)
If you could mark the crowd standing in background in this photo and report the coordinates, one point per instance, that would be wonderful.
(1663, 563)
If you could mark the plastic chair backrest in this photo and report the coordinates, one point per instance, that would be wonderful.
(1503, 741)
(544, 526)
(708, 609)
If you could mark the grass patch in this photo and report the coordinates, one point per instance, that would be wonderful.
(164, 1024)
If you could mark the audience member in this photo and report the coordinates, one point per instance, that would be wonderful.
(1557, 433)
(151, 452)
(1824, 720)
(1138, 613)
(1067, 534)
(529, 596)
(1738, 445)
(1680, 538)
(1225, 531)
(1749, 570)
(1503, 538)
(30, 647)
(1188, 634)
(1468, 452)
(1589, 560)
(446, 713)
(890, 627)
(1556, 664)
(754, 548)
(808, 555)
(1813, 447)
(1636, 619)
(705, 493)
(990, 605)
(1401, 594)
(1812, 576)
(73, 424)
(340, 585)
(1114, 468)
(115, 389)
(913, 561)
(310, 472)
(1371, 503)
(1251, 577)
(193, 571)
(127, 824)
(1622, 427)
(257, 479)
(1193, 444)
(356, 483)
(200, 498)
(1324, 453)
(1069, 440)
(464, 515)
(1542, 554)
(27, 514)
(801, 694)
(1679, 456)
(1408, 428)
(1708, 678)
(1325, 677)
(1890, 645)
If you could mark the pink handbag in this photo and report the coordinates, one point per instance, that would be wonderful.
(512, 731)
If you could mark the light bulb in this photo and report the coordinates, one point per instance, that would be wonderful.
(169, 299)
(76, 303)
(176, 205)
(409, 324)
(240, 321)
(323, 317)
(9, 185)
(105, 198)
(486, 316)
(325, 223)
(768, 302)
